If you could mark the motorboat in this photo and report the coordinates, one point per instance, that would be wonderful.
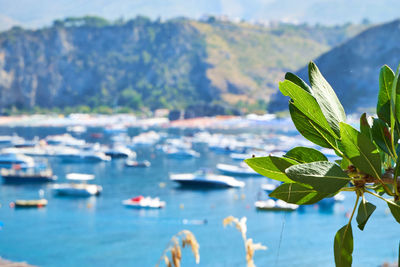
(78, 189)
(181, 153)
(146, 139)
(137, 164)
(268, 188)
(30, 175)
(77, 129)
(8, 160)
(202, 179)
(31, 203)
(119, 151)
(115, 129)
(275, 205)
(64, 140)
(10, 140)
(241, 170)
(141, 202)
(84, 156)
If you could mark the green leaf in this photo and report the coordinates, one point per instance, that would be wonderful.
(365, 127)
(343, 246)
(395, 95)
(324, 176)
(306, 103)
(386, 77)
(365, 210)
(305, 155)
(360, 150)
(309, 129)
(298, 81)
(395, 104)
(394, 207)
(297, 194)
(381, 136)
(326, 98)
(271, 167)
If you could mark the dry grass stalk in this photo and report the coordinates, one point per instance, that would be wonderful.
(248, 243)
(187, 239)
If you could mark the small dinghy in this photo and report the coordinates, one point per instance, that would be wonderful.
(272, 205)
(137, 164)
(141, 202)
(32, 203)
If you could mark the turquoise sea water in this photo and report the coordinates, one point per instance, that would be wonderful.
(100, 231)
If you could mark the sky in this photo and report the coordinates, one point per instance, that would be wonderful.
(39, 13)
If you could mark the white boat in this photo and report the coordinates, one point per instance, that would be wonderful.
(84, 156)
(10, 140)
(242, 170)
(275, 205)
(119, 151)
(77, 129)
(64, 140)
(146, 139)
(78, 189)
(115, 129)
(268, 187)
(141, 202)
(137, 164)
(202, 179)
(8, 160)
(181, 153)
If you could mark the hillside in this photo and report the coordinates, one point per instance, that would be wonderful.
(30, 14)
(153, 64)
(353, 67)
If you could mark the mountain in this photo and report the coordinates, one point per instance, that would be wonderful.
(28, 13)
(154, 64)
(353, 67)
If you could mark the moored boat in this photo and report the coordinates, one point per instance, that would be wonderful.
(32, 203)
(119, 151)
(78, 189)
(137, 164)
(241, 170)
(9, 160)
(84, 157)
(275, 205)
(201, 179)
(30, 175)
(144, 203)
(181, 153)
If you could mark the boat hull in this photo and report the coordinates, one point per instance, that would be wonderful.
(36, 203)
(202, 184)
(28, 179)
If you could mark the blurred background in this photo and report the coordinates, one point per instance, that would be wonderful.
(132, 93)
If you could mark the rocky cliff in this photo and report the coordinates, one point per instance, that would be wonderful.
(143, 63)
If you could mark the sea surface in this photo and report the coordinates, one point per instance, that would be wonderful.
(100, 231)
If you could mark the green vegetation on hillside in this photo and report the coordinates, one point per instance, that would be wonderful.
(143, 64)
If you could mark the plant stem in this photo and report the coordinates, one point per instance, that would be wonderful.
(354, 209)
(348, 189)
(378, 196)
